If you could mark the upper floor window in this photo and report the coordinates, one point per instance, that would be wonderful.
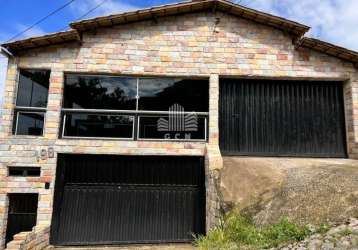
(100, 92)
(135, 108)
(31, 102)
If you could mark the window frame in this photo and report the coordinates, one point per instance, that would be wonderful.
(94, 137)
(18, 109)
(17, 112)
(136, 113)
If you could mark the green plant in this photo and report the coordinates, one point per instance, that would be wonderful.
(322, 228)
(283, 232)
(239, 232)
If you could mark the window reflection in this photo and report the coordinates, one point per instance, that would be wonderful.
(161, 93)
(93, 125)
(33, 88)
(29, 123)
(100, 92)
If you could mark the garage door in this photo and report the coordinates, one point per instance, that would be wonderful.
(282, 118)
(124, 199)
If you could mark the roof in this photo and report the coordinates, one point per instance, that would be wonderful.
(330, 49)
(296, 30)
(193, 6)
(48, 39)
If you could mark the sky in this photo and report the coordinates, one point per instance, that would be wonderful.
(334, 21)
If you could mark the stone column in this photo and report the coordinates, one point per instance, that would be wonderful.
(351, 115)
(53, 114)
(9, 98)
(213, 156)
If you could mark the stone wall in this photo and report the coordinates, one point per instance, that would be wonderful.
(313, 191)
(190, 45)
(37, 239)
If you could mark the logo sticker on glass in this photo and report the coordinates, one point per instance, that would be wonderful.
(178, 122)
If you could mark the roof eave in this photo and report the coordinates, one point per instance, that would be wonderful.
(330, 49)
(41, 41)
(295, 28)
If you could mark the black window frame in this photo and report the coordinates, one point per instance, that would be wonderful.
(136, 113)
(36, 109)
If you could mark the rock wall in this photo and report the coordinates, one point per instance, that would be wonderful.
(305, 190)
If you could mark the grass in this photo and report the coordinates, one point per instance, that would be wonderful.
(239, 232)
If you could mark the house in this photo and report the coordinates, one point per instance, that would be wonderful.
(113, 132)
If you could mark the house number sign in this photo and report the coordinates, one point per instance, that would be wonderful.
(43, 154)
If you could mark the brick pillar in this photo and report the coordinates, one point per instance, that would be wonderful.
(4, 203)
(52, 132)
(213, 156)
(354, 120)
(53, 114)
(7, 114)
(9, 99)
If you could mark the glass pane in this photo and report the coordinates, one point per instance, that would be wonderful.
(100, 92)
(30, 123)
(162, 93)
(164, 127)
(33, 88)
(93, 125)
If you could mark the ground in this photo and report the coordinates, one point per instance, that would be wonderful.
(310, 191)
(342, 237)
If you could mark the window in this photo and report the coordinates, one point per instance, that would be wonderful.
(161, 93)
(31, 102)
(100, 92)
(135, 108)
(24, 171)
(93, 125)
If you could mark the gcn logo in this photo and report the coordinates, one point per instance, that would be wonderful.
(178, 124)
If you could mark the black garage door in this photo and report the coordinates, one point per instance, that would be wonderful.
(282, 118)
(124, 199)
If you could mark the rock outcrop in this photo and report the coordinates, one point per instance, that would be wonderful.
(305, 190)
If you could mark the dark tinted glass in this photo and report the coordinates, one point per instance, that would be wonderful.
(33, 88)
(159, 127)
(24, 171)
(162, 93)
(30, 123)
(111, 126)
(100, 92)
(23, 203)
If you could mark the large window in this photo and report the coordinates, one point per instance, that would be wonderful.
(135, 108)
(100, 92)
(31, 102)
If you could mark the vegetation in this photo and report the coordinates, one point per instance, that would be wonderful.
(239, 232)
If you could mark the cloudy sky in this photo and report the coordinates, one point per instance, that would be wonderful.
(335, 21)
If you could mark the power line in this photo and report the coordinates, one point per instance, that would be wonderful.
(87, 13)
(41, 20)
(93, 9)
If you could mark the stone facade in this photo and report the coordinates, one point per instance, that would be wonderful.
(185, 46)
(37, 239)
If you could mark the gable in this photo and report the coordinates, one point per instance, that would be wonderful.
(156, 15)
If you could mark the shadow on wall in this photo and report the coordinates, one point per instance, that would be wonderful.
(304, 190)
